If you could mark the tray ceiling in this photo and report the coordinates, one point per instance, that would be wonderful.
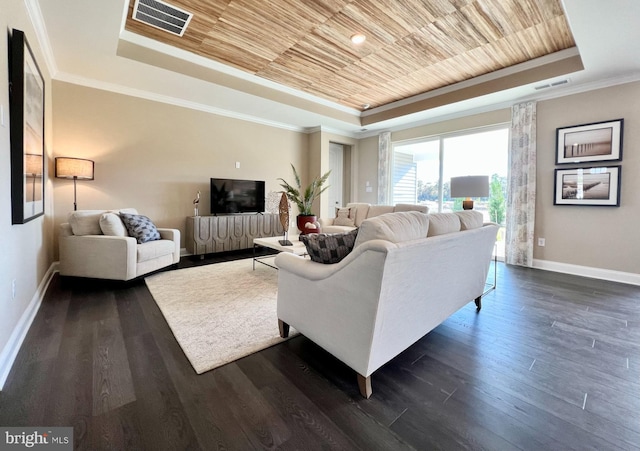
(411, 46)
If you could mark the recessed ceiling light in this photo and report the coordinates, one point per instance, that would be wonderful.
(358, 38)
(366, 106)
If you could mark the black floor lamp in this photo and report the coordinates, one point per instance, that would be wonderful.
(76, 169)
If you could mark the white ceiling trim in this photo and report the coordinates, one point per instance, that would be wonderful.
(35, 15)
(527, 65)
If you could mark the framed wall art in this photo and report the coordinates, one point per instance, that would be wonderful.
(598, 186)
(26, 98)
(599, 141)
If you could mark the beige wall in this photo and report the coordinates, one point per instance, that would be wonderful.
(594, 237)
(154, 157)
(598, 237)
(26, 249)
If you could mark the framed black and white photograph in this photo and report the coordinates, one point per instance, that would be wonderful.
(26, 97)
(599, 186)
(599, 141)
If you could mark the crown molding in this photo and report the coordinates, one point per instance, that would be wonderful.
(42, 36)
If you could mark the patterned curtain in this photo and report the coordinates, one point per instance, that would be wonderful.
(521, 191)
(384, 167)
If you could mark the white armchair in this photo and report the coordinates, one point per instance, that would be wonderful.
(96, 244)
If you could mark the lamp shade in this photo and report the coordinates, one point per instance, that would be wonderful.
(33, 164)
(470, 186)
(74, 168)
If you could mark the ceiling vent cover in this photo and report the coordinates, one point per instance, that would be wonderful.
(161, 15)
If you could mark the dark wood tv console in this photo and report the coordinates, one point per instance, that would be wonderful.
(209, 234)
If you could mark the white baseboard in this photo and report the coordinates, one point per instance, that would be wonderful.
(587, 271)
(10, 351)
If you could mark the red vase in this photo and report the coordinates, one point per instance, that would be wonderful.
(308, 224)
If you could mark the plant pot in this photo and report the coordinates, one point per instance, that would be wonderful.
(307, 224)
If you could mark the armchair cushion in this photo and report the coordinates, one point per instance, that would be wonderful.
(154, 249)
(140, 227)
(112, 225)
(85, 222)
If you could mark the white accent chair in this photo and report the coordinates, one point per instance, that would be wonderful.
(95, 244)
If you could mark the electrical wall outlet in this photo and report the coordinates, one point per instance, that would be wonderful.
(541, 242)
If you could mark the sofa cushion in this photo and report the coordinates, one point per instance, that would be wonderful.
(329, 248)
(112, 225)
(154, 249)
(411, 207)
(362, 211)
(442, 223)
(394, 227)
(140, 227)
(377, 210)
(85, 222)
(344, 218)
(470, 219)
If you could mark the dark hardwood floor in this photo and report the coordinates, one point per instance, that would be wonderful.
(552, 362)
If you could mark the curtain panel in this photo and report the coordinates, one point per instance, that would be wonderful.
(384, 167)
(521, 191)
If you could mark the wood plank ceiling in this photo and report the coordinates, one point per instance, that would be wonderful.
(411, 47)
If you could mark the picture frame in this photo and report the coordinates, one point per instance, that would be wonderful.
(595, 186)
(587, 143)
(26, 105)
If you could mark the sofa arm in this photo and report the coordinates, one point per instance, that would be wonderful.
(172, 235)
(98, 256)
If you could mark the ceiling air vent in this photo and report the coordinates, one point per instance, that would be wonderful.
(552, 85)
(162, 15)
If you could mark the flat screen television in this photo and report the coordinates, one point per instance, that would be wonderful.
(237, 196)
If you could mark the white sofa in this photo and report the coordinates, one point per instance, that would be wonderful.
(360, 211)
(407, 273)
(96, 244)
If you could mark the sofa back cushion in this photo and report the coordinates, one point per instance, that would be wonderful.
(470, 219)
(411, 207)
(377, 210)
(87, 222)
(442, 223)
(394, 227)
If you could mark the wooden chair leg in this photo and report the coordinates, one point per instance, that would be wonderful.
(478, 302)
(284, 328)
(364, 384)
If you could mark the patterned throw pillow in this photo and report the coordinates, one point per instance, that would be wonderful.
(343, 217)
(329, 248)
(140, 227)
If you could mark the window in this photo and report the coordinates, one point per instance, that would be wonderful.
(419, 166)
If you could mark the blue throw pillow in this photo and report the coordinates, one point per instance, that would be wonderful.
(140, 227)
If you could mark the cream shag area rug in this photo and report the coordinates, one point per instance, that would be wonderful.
(220, 312)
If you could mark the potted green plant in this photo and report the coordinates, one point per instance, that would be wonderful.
(304, 199)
